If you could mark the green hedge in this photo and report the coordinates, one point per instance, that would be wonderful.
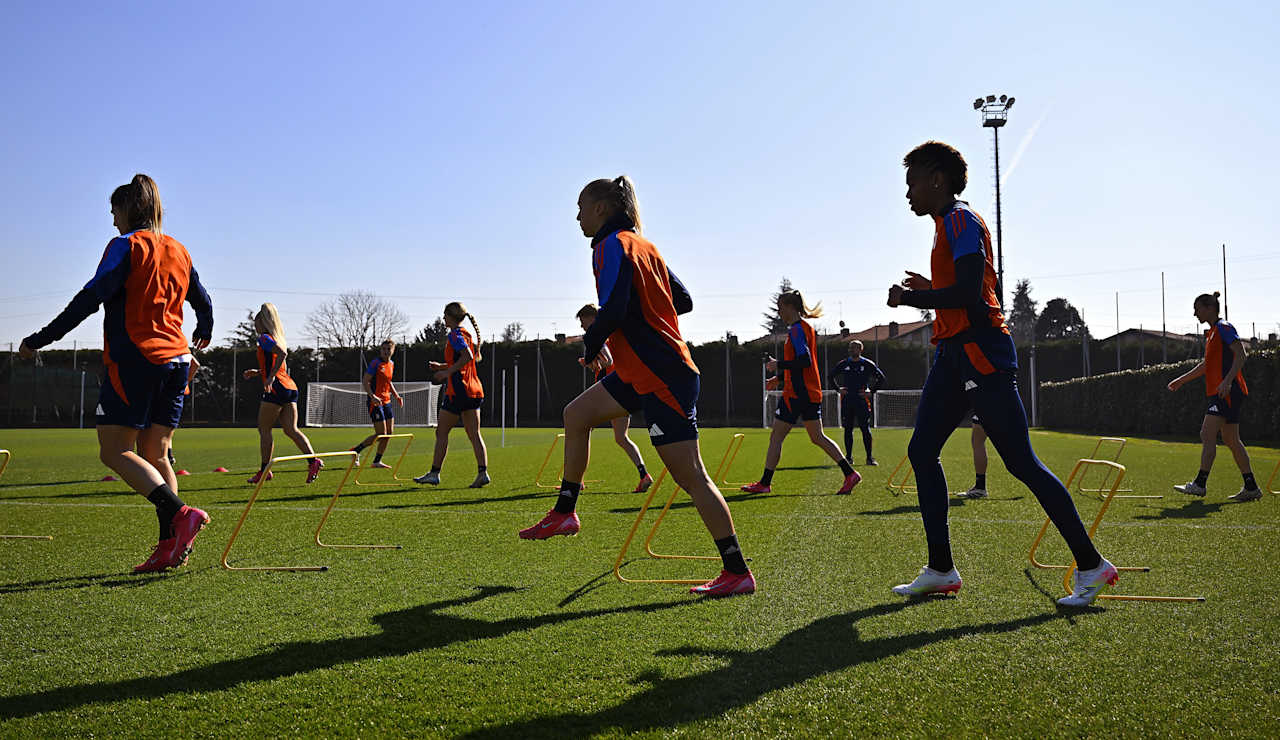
(1137, 402)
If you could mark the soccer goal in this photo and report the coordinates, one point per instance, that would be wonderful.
(347, 405)
(830, 407)
(896, 409)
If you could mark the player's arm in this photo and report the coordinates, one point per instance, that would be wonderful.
(681, 298)
(878, 380)
(199, 299)
(1192, 374)
(966, 291)
(366, 381)
(613, 287)
(605, 357)
(105, 283)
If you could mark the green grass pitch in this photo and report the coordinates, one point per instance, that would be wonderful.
(469, 631)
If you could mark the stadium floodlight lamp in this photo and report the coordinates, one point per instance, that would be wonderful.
(977, 104)
(1003, 98)
(991, 98)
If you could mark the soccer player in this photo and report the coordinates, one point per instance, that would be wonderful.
(1224, 384)
(977, 440)
(142, 280)
(462, 396)
(380, 390)
(801, 394)
(640, 301)
(586, 316)
(974, 368)
(279, 393)
(857, 378)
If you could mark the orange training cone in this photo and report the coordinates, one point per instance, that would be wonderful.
(221, 469)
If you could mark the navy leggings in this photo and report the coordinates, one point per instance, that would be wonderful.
(953, 388)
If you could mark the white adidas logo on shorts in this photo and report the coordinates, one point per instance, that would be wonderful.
(655, 431)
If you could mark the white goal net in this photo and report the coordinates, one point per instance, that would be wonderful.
(830, 408)
(896, 408)
(347, 405)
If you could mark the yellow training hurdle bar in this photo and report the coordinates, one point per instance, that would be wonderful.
(1106, 479)
(352, 455)
(1119, 471)
(906, 483)
(7, 457)
(537, 479)
(1274, 472)
(726, 462)
(648, 541)
(395, 471)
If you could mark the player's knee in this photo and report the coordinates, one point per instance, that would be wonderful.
(920, 451)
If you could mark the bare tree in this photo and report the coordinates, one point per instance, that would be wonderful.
(514, 332)
(356, 319)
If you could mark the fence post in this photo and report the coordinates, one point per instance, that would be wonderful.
(82, 399)
(235, 383)
(504, 408)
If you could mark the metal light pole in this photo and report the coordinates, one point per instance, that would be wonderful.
(995, 113)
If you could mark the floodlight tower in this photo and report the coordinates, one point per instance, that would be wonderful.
(995, 112)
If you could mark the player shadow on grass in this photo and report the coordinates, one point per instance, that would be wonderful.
(104, 580)
(827, 645)
(684, 502)
(1194, 509)
(404, 632)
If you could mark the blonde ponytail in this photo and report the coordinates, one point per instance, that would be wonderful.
(267, 321)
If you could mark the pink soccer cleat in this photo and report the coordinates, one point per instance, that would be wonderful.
(756, 487)
(552, 524)
(313, 469)
(645, 483)
(727, 584)
(187, 523)
(159, 560)
(850, 481)
(379, 464)
(258, 476)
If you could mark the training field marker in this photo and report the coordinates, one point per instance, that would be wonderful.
(1119, 471)
(1274, 472)
(726, 462)
(395, 472)
(537, 479)
(648, 541)
(1102, 487)
(352, 455)
(7, 457)
(904, 484)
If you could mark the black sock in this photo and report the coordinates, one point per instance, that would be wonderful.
(359, 448)
(866, 441)
(167, 505)
(731, 554)
(435, 469)
(980, 481)
(1249, 482)
(640, 469)
(1202, 478)
(845, 467)
(568, 500)
(377, 458)
(848, 443)
(481, 469)
(172, 461)
(767, 477)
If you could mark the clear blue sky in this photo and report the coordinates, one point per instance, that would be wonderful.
(435, 152)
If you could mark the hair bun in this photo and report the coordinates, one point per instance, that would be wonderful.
(1216, 294)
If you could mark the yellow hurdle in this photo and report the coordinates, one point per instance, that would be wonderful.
(1115, 457)
(648, 541)
(7, 457)
(1274, 472)
(537, 479)
(1119, 471)
(726, 462)
(352, 455)
(906, 483)
(395, 471)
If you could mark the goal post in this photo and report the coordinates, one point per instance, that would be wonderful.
(347, 405)
(896, 409)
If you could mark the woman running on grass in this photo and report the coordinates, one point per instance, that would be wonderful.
(587, 316)
(462, 397)
(801, 400)
(1224, 385)
(380, 390)
(640, 299)
(279, 393)
(975, 367)
(142, 281)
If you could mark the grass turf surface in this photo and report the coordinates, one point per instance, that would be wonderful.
(470, 631)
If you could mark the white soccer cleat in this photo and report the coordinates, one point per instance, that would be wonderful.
(1191, 489)
(482, 480)
(1089, 583)
(931, 581)
(1246, 494)
(431, 477)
